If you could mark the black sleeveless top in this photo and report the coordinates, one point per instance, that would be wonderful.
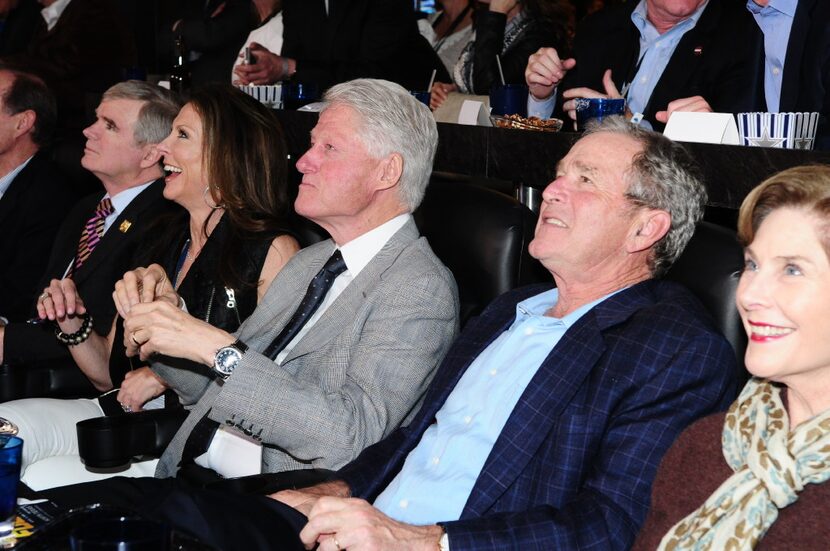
(206, 298)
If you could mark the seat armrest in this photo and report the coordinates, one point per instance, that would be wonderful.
(268, 483)
(58, 378)
(106, 442)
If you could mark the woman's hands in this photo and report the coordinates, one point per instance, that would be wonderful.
(61, 303)
(143, 285)
(139, 387)
(158, 327)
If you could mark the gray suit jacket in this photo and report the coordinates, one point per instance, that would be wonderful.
(352, 379)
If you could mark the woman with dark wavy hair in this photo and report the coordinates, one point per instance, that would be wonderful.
(225, 163)
(511, 30)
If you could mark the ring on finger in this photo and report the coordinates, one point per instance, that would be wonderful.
(126, 408)
(135, 341)
(44, 295)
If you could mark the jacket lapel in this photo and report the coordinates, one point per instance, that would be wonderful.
(550, 391)
(9, 199)
(342, 310)
(795, 53)
(125, 224)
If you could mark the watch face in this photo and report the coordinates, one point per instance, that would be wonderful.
(226, 360)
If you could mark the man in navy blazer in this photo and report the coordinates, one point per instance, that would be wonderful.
(546, 422)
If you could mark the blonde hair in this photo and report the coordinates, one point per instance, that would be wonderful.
(803, 187)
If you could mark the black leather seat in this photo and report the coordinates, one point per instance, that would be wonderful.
(481, 235)
(710, 267)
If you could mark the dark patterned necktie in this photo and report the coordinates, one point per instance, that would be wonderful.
(202, 434)
(91, 234)
(314, 295)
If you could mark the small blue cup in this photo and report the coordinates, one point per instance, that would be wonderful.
(597, 109)
(297, 94)
(423, 96)
(10, 455)
(508, 99)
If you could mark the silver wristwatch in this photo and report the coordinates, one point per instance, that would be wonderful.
(227, 358)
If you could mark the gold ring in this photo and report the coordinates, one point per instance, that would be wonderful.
(44, 295)
(132, 337)
(337, 544)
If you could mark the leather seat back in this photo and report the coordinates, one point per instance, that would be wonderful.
(481, 235)
(710, 267)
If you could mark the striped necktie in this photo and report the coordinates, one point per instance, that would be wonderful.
(91, 234)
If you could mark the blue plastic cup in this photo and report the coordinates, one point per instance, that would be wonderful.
(10, 455)
(508, 99)
(298, 94)
(423, 96)
(597, 109)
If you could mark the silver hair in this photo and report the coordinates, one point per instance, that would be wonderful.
(662, 176)
(392, 121)
(155, 119)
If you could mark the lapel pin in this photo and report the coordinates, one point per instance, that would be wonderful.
(125, 226)
(698, 50)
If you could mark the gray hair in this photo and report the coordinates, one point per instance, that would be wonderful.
(155, 119)
(663, 176)
(392, 121)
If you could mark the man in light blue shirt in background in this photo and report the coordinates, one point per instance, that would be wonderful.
(661, 55)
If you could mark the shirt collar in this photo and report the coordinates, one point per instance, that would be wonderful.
(52, 13)
(640, 17)
(539, 304)
(122, 200)
(786, 7)
(358, 252)
(7, 180)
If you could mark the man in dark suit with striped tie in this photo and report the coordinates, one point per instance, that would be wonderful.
(96, 243)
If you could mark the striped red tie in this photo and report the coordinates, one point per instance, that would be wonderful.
(91, 234)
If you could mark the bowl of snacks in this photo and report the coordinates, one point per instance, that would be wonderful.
(526, 123)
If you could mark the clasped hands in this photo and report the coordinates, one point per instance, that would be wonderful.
(154, 323)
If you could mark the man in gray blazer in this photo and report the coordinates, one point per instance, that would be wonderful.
(355, 368)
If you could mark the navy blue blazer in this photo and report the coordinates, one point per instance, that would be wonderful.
(573, 466)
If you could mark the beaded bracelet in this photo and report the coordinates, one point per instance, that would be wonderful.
(79, 336)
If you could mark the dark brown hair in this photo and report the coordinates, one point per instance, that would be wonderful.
(29, 92)
(245, 157)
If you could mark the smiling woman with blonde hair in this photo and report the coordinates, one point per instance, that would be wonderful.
(756, 476)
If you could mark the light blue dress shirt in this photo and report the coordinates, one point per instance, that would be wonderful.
(655, 52)
(776, 22)
(6, 181)
(438, 475)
